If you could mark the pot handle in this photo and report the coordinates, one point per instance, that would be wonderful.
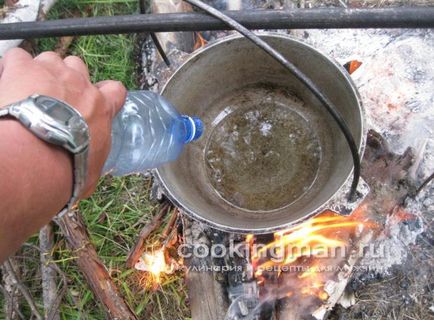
(339, 204)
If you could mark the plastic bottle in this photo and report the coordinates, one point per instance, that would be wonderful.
(148, 132)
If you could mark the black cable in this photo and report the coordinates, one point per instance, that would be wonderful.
(160, 49)
(142, 8)
(300, 76)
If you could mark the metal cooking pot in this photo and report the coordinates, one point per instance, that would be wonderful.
(271, 156)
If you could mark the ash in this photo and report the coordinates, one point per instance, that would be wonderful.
(401, 287)
(395, 82)
(394, 245)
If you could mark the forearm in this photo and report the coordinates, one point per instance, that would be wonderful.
(36, 178)
(35, 184)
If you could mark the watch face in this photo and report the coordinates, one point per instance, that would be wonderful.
(72, 131)
(56, 109)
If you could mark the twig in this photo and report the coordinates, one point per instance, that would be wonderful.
(415, 192)
(137, 249)
(56, 303)
(11, 302)
(423, 185)
(95, 272)
(49, 286)
(170, 224)
(23, 289)
(61, 292)
(172, 238)
(9, 299)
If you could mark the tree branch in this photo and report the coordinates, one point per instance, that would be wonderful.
(95, 272)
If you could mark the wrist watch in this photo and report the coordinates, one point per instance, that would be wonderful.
(57, 123)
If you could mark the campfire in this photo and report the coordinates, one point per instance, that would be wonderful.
(306, 247)
(317, 265)
(303, 271)
(312, 240)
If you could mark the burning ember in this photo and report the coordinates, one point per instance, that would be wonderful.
(155, 264)
(200, 41)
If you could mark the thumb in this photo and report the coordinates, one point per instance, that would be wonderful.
(114, 93)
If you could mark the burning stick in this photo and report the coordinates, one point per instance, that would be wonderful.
(159, 261)
(155, 263)
(137, 251)
(183, 41)
(336, 289)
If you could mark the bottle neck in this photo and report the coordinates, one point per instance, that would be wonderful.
(193, 128)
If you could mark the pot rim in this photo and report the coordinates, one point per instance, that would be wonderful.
(333, 199)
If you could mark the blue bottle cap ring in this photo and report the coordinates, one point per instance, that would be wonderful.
(194, 128)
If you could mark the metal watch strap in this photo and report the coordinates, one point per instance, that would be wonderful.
(80, 170)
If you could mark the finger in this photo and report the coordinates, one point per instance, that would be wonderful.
(77, 64)
(114, 92)
(51, 61)
(1, 67)
(102, 83)
(16, 56)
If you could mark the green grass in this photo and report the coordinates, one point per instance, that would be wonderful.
(114, 216)
(120, 206)
(107, 56)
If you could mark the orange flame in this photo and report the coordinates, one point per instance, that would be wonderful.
(307, 243)
(200, 41)
(155, 264)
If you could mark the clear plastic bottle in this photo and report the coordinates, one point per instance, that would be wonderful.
(147, 133)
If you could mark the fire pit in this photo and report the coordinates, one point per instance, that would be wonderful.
(271, 155)
(310, 282)
(302, 268)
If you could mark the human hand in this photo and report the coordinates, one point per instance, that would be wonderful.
(68, 80)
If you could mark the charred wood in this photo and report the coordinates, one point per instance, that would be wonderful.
(207, 296)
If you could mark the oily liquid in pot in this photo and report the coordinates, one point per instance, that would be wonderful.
(262, 156)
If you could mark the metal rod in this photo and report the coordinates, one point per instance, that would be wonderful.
(420, 17)
(330, 107)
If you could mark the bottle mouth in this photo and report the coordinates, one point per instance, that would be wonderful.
(194, 127)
